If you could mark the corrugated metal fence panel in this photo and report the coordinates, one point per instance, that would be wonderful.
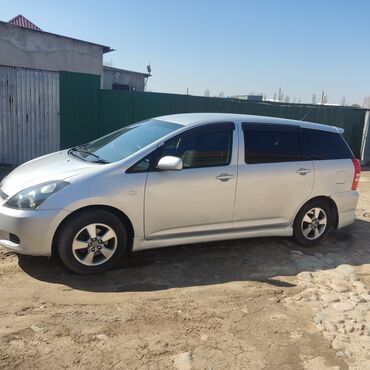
(115, 110)
(81, 99)
(365, 147)
(29, 114)
(79, 102)
(147, 105)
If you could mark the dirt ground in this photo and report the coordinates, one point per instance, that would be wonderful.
(246, 304)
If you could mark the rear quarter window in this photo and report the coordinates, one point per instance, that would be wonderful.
(323, 145)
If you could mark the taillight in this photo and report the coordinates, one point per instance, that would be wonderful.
(356, 177)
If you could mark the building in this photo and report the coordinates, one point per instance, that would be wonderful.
(250, 97)
(23, 44)
(122, 79)
(31, 62)
(25, 47)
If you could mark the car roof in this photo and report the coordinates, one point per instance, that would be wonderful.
(187, 119)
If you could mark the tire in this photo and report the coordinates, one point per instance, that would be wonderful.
(309, 234)
(85, 253)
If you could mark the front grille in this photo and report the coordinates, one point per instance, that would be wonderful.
(14, 238)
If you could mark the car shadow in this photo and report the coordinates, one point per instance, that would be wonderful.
(261, 259)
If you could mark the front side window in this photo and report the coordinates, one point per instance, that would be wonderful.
(124, 142)
(271, 145)
(201, 148)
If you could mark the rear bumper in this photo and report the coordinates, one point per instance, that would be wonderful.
(35, 229)
(346, 203)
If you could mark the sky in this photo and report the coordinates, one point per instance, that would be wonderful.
(230, 46)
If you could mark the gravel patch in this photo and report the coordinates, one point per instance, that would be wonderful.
(341, 304)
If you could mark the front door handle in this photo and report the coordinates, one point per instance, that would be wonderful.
(303, 171)
(224, 177)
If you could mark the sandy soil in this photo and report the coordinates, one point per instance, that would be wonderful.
(246, 304)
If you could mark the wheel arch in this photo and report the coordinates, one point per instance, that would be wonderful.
(121, 215)
(330, 202)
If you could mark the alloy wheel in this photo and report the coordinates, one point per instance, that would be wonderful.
(314, 223)
(94, 244)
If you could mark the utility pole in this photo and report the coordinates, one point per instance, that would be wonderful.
(322, 98)
(187, 91)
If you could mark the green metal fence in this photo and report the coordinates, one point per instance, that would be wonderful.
(87, 112)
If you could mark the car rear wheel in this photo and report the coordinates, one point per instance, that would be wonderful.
(313, 223)
(92, 241)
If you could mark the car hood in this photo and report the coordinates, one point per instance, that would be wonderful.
(55, 166)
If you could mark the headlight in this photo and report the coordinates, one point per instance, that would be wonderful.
(32, 197)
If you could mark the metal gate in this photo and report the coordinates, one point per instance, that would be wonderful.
(29, 114)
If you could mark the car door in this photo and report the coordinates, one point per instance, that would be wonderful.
(199, 199)
(273, 179)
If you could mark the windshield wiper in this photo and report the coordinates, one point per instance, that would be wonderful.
(81, 150)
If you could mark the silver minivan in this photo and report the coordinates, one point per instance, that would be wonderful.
(180, 179)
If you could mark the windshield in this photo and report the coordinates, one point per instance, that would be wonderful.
(124, 142)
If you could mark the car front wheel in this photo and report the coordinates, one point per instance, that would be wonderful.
(92, 241)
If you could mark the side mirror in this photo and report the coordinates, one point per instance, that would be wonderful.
(169, 163)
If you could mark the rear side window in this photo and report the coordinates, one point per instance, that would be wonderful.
(322, 145)
(271, 145)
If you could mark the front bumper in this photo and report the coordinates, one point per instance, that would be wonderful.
(34, 228)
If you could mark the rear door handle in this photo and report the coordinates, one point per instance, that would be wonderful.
(224, 177)
(303, 171)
